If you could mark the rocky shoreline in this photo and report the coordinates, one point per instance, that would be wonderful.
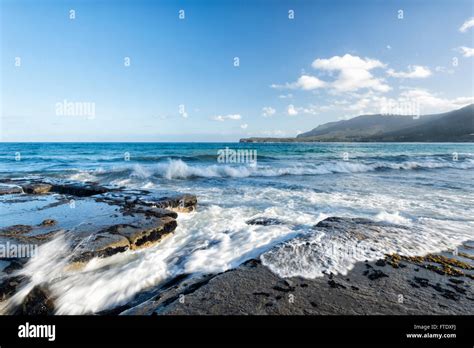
(433, 284)
(96, 221)
(99, 222)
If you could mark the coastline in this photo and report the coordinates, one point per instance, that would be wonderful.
(394, 285)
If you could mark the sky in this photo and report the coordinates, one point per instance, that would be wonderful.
(222, 70)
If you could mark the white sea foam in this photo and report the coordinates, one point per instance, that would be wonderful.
(393, 218)
(336, 252)
(212, 240)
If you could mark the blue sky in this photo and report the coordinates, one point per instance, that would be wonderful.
(333, 60)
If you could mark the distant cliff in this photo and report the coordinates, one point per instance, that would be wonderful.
(453, 126)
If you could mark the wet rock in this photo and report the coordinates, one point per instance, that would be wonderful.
(100, 245)
(335, 221)
(146, 233)
(153, 211)
(456, 281)
(48, 222)
(38, 302)
(181, 203)
(264, 221)
(422, 281)
(10, 189)
(335, 285)
(9, 285)
(376, 274)
(458, 289)
(15, 230)
(14, 264)
(79, 190)
(37, 188)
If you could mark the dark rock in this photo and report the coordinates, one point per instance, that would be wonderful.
(380, 263)
(423, 282)
(376, 274)
(155, 212)
(458, 288)
(148, 232)
(335, 285)
(263, 221)
(181, 203)
(334, 221)
(100, 245)
(456, 281)
(79, 190)
(48, 222)
(284, 286)
(266, 294)
(15, 230)
(9, 190)
(9, 285)
(38, 302)
(37, 188)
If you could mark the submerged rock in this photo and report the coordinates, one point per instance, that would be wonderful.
(264, 221)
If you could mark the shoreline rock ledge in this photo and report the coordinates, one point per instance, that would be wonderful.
(95, 221)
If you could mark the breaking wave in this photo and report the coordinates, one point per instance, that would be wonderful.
(178, 169)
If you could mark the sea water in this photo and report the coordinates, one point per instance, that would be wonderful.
(428, 189)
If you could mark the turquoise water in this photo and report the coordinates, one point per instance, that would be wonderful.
(425, 188)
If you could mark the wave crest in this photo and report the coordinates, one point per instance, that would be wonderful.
(178, 169)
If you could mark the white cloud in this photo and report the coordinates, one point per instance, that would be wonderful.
(304, 82)
(292, 110)
(466, 51)
(389, 47)
(244, 126)
(414, 72)
(469, 23)
(353, 73)
(285, 96)
(222, 118)
(308, 83)
(268, 111)
(347, 62)
(429, 102)
(309, 110)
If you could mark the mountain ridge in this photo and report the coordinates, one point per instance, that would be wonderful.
(452, 126)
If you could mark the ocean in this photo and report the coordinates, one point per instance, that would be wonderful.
(426, 188)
